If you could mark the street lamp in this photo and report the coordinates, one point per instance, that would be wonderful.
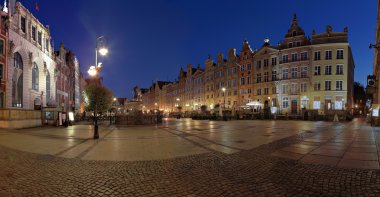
(94, 72)
(224, 96)
(224, 103)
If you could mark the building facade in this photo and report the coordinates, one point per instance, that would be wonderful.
(333, 71)
(299, 73)
(67, 75)
(35, 76)
(30, 61)
(3, 56)
(376, 62)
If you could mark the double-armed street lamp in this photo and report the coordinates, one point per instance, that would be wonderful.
(94, 72)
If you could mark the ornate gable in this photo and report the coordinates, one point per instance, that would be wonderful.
(294, 29)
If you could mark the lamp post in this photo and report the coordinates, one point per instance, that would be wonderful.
(94, 72)
(224, 103)
(224, 97)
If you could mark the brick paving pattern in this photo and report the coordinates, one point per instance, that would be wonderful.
(255, 172)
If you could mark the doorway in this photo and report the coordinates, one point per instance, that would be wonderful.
(294, 107)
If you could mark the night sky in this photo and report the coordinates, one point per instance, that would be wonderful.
(151, 39)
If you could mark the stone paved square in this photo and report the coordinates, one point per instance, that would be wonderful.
(189, 158)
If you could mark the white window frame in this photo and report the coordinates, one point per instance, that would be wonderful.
(337, 82)
(328, 82)
(336, 69)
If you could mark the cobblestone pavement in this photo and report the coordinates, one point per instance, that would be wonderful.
(252, 172)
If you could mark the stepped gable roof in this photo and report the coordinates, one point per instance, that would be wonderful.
(295, 29)
(246, 47)
(162, 83)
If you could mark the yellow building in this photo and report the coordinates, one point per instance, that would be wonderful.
(264, 77)
(333, 71)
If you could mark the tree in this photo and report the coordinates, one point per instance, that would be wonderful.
(360, 98)
(359, 93)
(97, 98)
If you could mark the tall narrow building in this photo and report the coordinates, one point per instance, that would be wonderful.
(376, 63)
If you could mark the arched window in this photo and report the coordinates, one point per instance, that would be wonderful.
(294, 33)
(47, 86)
(17, 81)
(35, 77)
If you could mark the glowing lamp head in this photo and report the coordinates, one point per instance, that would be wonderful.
(223, 89)
(92, 71)
(103, 51)
(100, 65)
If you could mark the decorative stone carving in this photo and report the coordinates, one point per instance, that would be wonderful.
(345, 30)
(31, 58)
(55, 74)
(328, 29)
(45, 67)
(220, 58)
(17, 7)
(11, 47)
(231, 54)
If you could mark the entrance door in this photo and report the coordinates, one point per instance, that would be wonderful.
(328, 105)
(266, 104)
(294, 106)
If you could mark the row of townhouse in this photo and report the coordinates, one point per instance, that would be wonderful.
(298, 73)
(31, 72)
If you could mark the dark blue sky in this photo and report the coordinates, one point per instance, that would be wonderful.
(151, 39)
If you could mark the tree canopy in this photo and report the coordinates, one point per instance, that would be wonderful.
(97, 97)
